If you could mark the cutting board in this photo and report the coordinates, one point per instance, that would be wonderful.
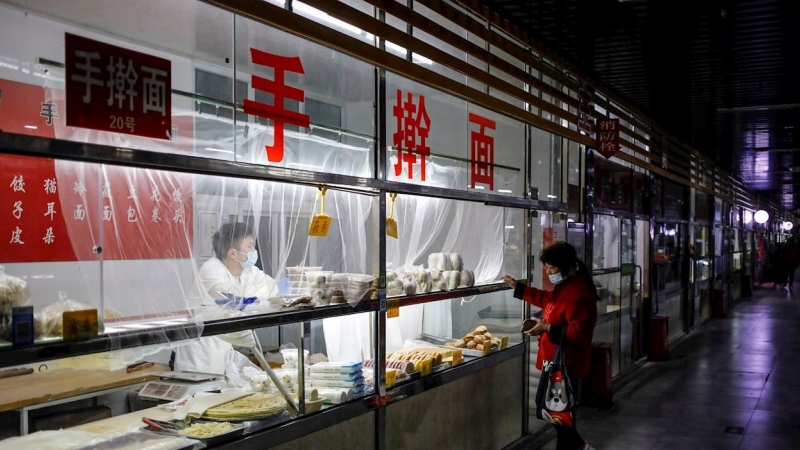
(43, 387)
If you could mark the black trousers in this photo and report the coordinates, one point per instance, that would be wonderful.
(568, 438)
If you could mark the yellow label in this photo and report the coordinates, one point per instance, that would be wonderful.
(392, 308)
(80, 324)
(504, 343)
(487, 347)
(391, 377)
(391, 227)
(320, 225)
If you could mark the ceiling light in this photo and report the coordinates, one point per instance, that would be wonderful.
(504, 191)
(31, 127)
(509, 227)
(761, 216)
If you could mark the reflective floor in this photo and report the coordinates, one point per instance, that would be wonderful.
(732, 384)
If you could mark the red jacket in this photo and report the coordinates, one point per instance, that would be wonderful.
(572, 305)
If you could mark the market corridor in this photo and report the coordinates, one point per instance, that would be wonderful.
(732, 384)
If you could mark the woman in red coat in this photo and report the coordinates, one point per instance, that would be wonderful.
(570, 310)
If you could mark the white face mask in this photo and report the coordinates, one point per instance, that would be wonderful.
(252, 257)
(556, 278)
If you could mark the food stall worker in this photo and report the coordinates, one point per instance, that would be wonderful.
(232, 271)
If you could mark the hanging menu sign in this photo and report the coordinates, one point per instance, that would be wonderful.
(117, 90)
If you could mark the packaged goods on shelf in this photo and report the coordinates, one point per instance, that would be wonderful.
(467, 279)
(439, 261)
(336, 396)
(456, 262)
(13, 292)
(337, 367)
(52, 315)
(326, 383)
(453, 279)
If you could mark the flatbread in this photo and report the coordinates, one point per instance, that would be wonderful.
(260, 405)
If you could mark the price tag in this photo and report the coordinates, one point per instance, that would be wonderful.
(391, 224)
(458, 357)
(504, 343)
(320, 223)
(391, 227)
(391, 377)
(487, 347)
(392, 308)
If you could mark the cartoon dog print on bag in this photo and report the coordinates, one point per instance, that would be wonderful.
(557, 397)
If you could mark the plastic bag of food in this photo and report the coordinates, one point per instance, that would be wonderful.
(406, 275)
(357, 288)
(52, 316)
(423, 280)
(13, 292)
(242, 373)
(440, 262)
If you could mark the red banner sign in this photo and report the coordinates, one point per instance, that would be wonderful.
(481, 151)
(118, 90)
(608, 137)
(410, 139)
(53, 210)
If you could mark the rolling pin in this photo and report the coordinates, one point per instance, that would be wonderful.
(14, 372)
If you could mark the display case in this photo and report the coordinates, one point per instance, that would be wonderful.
(307, 227)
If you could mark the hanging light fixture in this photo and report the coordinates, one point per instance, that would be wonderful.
(788, 225)
(761, 216)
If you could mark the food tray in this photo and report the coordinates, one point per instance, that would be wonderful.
(439, 342)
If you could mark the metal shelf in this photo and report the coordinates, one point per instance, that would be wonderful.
(458, 293)
(49, 350)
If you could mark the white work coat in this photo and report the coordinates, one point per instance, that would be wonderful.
(208, 354)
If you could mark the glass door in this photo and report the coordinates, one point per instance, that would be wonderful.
(668, 254)
(618, 261)
(700, 276)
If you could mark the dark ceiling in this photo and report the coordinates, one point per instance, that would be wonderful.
(719, 74)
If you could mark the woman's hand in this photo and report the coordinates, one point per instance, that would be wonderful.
(510, 281)
(540, 327)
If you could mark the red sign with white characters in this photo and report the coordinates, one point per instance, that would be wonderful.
(608, 137)
(277, 112)
(52, 211)
(482, 151)
(114, 89)
(32, 222)
(413, 127)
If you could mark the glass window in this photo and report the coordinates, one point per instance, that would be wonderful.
(546, 151)
(198, 45)
(331, 130)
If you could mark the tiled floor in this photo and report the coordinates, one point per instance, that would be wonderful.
(739, 372)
